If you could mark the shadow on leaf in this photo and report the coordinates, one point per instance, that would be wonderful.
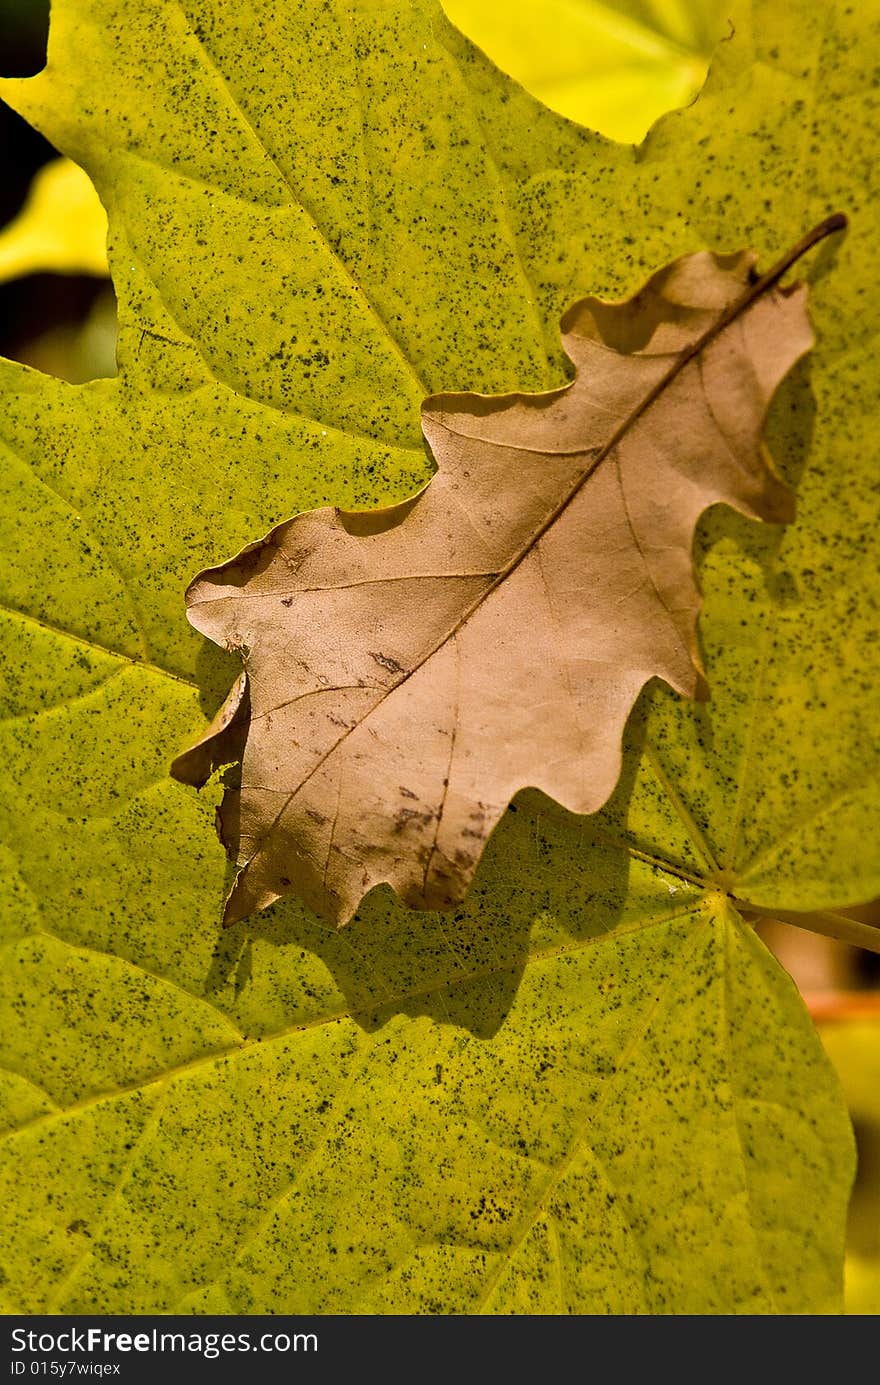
(535, 888)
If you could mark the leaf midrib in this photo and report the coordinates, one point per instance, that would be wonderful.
(131, 659)
(590, 1120)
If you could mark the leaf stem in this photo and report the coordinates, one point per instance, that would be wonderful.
(838, 221)
(823, 921)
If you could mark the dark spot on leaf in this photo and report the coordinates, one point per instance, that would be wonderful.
(386, 662)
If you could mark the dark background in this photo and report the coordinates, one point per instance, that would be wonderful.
(32, 305)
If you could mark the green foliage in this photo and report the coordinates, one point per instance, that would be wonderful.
(592, 1090)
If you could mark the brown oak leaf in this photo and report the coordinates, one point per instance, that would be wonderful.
(408, 670)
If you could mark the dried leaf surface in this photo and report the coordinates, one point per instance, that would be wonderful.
(410, 669)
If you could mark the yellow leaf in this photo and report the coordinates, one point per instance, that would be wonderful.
(62, 228)
(614, 65)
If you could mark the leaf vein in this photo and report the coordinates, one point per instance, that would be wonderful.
(261, 1042)
(221, 85)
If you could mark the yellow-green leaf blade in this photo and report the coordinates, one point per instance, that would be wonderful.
(173, 468)
(556, 1156)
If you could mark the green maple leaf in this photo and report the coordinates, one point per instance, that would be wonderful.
(592, 1090)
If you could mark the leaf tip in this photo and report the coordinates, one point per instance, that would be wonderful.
(235, 908)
